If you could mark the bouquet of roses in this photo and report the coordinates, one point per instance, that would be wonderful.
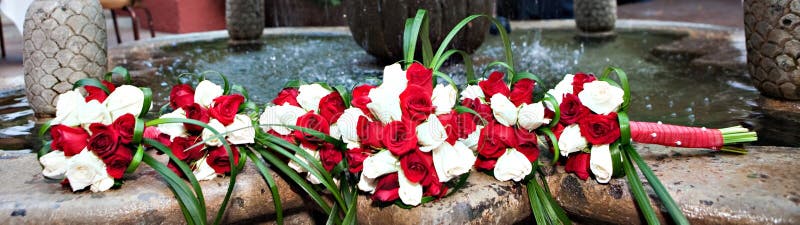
(96, 134)
(202, 147)
(595, 133)
(405, 138)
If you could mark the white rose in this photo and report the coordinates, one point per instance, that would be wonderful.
(94, 112)
(283, 114)
(379, 164)
(313, 179)
(173, 129)
(512, 165)
(68, 107)
(504, 111)
(241, 130)
(531, 116)
(451, 161)
(600, 163)
(125, 99)
(348, 123)
(333, 131)
(210, 137)
(204, 171)
(601, 97)
(86, 169)
(296, 166)
(431, 134)
(410, 193)
(309, 96)
(571, 140)
(394, 79)
(444, 98)
(55, 165)
(366, 184)
(471, 92)
(563, 87)
(205, 93)
(472, 140)
(385, 104)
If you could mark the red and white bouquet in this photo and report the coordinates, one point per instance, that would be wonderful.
(405, 138)
(507, 145)
(313, 106)
(195, 145)
(93, 135)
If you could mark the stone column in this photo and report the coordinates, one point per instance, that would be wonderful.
(772, 29)
(244, 19)
(595, 17)
(64, 41)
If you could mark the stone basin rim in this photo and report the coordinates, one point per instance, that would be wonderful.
(623, 25)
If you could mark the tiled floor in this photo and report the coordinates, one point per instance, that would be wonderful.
(718, 12)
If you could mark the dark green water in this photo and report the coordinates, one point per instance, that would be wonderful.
(664, 90)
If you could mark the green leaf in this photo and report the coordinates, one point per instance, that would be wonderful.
(669, 203)
(185, 169)
(293, 175)
(266, 173)
(193, 211)
(226, 86)
(137, 158)
(415, 26)
(45, 144)
(351, 215)
(294, 84)
(333, 216)
(624, 128)
(346, 97)
(637, 190)
(121, 71)
(553, 142)
(556, 109)
(467, 63)
(446, 78)
(453, 32)
(508, 67)
(148, 101)
(616, 160)
(536, 204)
(90, 82)
(463, 109)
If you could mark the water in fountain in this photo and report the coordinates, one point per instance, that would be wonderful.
(664, 90)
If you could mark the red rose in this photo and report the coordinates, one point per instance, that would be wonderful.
(225, 108)
(495, 84)
(387, 188)
(578, 163)
(331, 107)
(417, 165)
(579, 79)
(289, 138)
(600, 129)
(485, 163)
(71, 140)
(219, 160)
(415, 103)
(361, 97)
(494, 140)
(465, 125)
(104, 140)
(417, 74)
(180, 96)
(287, 95)
(196, 112)
(95, 93)
(315, 122)
(329, 156)
(400, 138)
(155, 134)
(180, 147)
(572, 109)
(370, 133)
(527, 144)
(522, 92)
(355, 159)
(117, 164)
(124, 126)
(433, 187)
(484, 110)
(457, 125)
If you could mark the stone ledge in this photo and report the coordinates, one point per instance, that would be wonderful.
(711, 188)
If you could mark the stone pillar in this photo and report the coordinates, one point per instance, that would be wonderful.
(244, 19)
(595, 17)
(772, 29)
(64, 41)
